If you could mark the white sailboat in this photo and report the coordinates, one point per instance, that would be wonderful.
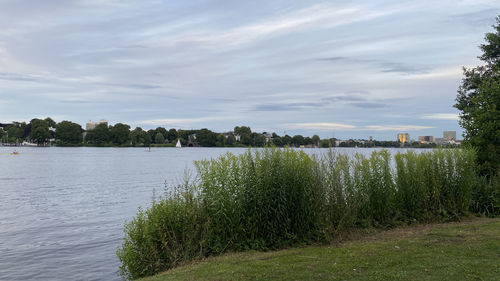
(178, 144)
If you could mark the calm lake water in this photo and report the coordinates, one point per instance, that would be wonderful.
(62, 210)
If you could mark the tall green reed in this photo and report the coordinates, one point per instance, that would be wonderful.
(274, 198)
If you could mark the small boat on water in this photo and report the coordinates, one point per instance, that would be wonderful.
(15, 152)
(25, 143)
(178, 144)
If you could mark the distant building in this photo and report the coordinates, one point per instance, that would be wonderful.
(450, 135)
(403, 137)
(425, 139)
(91, 125)
(268, 136)
(103, 122)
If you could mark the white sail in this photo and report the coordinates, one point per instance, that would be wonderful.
(178, 144)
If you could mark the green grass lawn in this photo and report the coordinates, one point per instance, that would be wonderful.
(469, 250)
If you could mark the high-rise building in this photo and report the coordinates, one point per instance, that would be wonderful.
(103, 122)
(91, 125)
(403, 137)
(425, 139)
(450, 135)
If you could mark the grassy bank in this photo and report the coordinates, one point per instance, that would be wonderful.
(277, 198)
(453, 251)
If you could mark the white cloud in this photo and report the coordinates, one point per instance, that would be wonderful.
(323, 126)
(441, 73)
(441, 116)
(180, 122)
(346, 127)
(317, 16)
(395, 128)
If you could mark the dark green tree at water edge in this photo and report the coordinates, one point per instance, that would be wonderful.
(479, 102)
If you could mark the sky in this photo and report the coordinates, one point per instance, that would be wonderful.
(344, 69)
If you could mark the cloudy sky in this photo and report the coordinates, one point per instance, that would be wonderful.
(348, 70)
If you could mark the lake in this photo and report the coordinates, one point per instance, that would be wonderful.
(62, 210)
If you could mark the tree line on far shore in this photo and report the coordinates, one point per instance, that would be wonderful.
(66, 133)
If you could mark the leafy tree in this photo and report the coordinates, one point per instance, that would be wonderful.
(120, 134)
(159, 138)
(277, 140)
(151, 133)
(98, 136)
(298, 140)
(325, 143)
(147, 139)
(39, 131)
(163, 132)
(69, 133)
(172, 135)
(478, 100)
(245, 139)
(25, 129)
(15, 133)
(243, 130)
(50, 122)
(206, 138)
(230, 140)
(221, 140)
(287, 140)
(316, 140)
(137, 136)
(258, 140)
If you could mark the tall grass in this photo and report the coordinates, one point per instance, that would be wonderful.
(275, 198)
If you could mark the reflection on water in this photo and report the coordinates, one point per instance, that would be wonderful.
(62, 210)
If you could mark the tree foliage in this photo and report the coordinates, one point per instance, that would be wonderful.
(138, 137)
(39, 131)
(98, 136)
(15, 133)
(120, 134)
(68, 132)
(478, 100)
(159, 138)
(50, 122)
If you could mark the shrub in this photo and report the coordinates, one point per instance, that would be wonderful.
(274, 198)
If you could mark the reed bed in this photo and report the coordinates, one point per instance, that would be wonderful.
(275, 198)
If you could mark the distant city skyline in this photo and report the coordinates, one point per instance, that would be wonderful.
(336, 69)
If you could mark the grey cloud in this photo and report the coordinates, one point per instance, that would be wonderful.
(287, 107)
(133, 86)
(332, 59)
(224, 100)
(18, 77)
(384, 66)
(475, 18)
(402, 68)
(77, 101)
(120, 60)
(373, 105)
(345, 98)
(349, 96)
